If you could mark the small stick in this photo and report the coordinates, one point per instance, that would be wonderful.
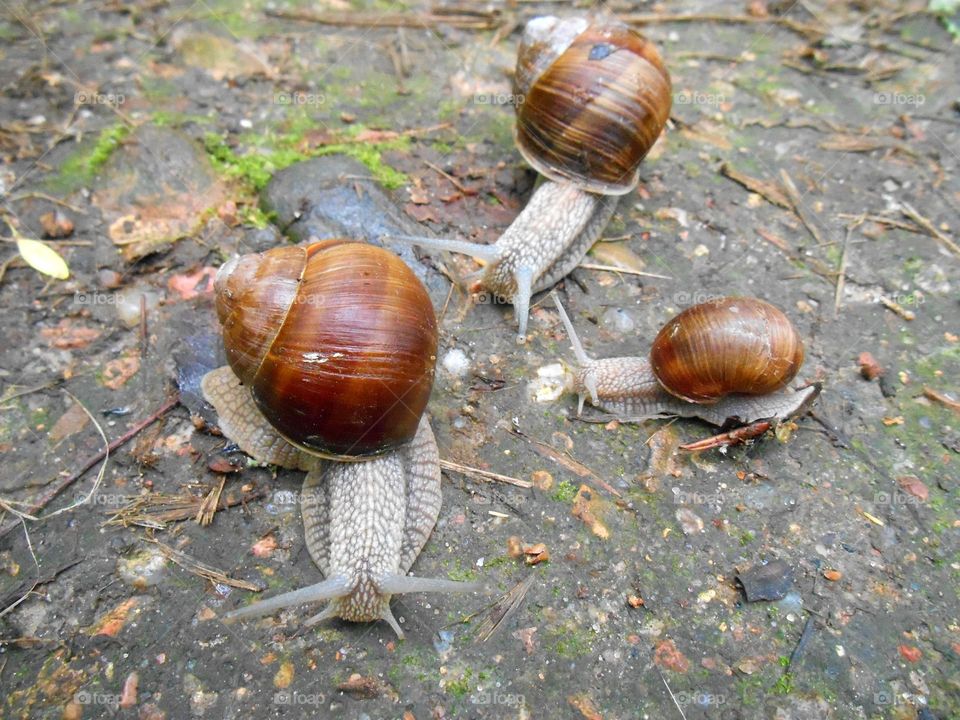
(939, 397)
(625, 271)
(842, 271)
(48, 198)
(891, 305)
(932, 230)
(484, 474)
(453, 181)
(119, 442)
(383, 19)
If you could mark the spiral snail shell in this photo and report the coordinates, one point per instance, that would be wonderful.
(337, 342)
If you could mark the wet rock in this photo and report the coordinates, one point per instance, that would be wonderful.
(156, 188)
(617, 320)
(222, 57)
(769, 581)
(143, 569)
(333, 197)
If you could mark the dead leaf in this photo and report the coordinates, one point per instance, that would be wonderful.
(69, 336)
(910, 653)
(769, 190)
(536, 554)
(264, 547)
(914, 486)
(617, 254)
(56, 224)
(113, 621)
(43, 258)
(869, 367)
(668, 656)
(284, 675)
(193, 285)
(366, 688)
(589, 508)
(584, 704)
(71, 422)
(119, 370)
(525, 636)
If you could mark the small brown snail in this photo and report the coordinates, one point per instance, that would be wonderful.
(596, 96)
(728, 359)
(331, 351)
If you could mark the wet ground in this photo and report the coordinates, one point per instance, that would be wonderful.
(810, 144)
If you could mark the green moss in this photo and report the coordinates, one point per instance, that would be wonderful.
(571, 641)
(461, 686)
(566, 491)
(462, 574)
(271, 152)
(746, 537)
(83, 165)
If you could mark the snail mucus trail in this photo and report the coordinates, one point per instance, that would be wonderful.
(331, 350)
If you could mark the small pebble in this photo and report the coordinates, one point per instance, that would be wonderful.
(456, 362)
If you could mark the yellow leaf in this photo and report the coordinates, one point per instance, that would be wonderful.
(43, 258)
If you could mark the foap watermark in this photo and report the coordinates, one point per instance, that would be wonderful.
(292, 697)
(89, 97)
(488, 298)
(700, 698)
(699, 98)
(682, 497)
(498, 99)
(895, 498)
(97, 298)
(903, 299)
(299, 98)
(695, 297)
(90, 697)
(495, 697)
(899, 98)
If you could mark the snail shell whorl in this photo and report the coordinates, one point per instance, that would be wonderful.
(596, 96)
(725, 346)
(337, 342)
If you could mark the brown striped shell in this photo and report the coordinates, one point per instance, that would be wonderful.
(726, 346)
(595, 97)
(336, 340)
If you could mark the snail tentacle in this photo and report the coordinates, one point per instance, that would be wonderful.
(329, 589)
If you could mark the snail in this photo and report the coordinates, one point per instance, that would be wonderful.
(726, 360)
(595, 97)
(331, 350)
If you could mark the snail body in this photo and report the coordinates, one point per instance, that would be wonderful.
(371, 495)
(729, 359)
(596, 96)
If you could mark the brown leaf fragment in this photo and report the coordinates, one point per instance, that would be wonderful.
(914, 486)
(265, 546)
(514, 547)
(119, 370)
(111, 623)
(536, 554)
(525, 636)
(284, 675)
(668, 656)
(634, 601)
(769, 190)
(56, 224)
(584, 704)
(869, 367)
(832, 575)
(589, 507)
(128, 696)
(70, 423)
(191, 285)
(69, 336)
(366, 687)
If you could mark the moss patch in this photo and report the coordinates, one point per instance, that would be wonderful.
(83, 165)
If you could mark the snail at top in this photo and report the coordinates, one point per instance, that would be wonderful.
(595, 97)
(728, 361)
(331, 350)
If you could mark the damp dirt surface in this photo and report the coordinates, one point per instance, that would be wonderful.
(811, 160)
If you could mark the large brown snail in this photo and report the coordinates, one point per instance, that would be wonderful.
(730, 359)
(331, 351)
(596, 96)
